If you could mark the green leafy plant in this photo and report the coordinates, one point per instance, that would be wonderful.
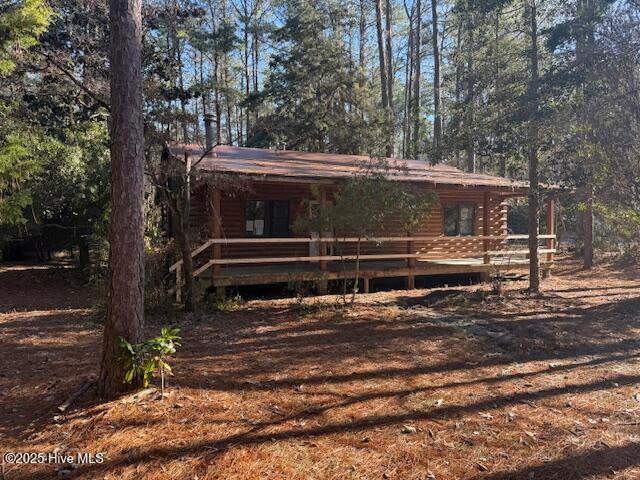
(149, 358)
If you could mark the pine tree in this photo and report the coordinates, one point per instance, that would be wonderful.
(318, 102)
(125, 308)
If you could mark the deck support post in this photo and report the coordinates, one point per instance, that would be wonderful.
(365, 284)
(216, 232)
(322, 284)
(551, 226)
(411, 263)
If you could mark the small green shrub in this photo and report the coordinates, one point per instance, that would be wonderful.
(149, 358)
(229, 303)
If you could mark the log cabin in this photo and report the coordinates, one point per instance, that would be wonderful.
(244, 235)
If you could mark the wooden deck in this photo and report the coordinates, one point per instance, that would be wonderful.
(369, 269)
(489, 255)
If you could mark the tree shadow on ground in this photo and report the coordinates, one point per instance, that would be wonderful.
(254, 437)
(275, 348)
(597, 330)
(578, 466)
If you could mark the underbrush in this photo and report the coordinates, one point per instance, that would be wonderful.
(228, 303)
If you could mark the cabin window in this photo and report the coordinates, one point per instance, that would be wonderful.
(267, 218)
(458, 219)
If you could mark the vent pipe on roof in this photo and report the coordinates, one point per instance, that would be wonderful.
(208, 131)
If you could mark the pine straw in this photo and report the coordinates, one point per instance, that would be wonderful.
(475, 387)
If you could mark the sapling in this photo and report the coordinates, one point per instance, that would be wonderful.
(150, 357)
(365, 206)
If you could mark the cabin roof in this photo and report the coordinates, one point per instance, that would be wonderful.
(291, 165)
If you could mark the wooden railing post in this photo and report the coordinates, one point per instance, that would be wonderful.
(322, 247)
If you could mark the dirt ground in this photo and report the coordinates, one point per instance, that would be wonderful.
(451, 383)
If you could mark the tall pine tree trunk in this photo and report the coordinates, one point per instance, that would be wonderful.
(183, 101)
(408, 82)
(362, 41)
(417, 45)
(216, 98)
(389, 57)
(228, 103)
(184, 242)
(247, 78)
(384, 83)
(534, 188)
(471, 100)
(256, 58)
(125, 304)
(584, 56)
(587, 229)
(458, 79)
(437, 93)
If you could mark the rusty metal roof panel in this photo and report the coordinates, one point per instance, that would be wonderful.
(306, 165)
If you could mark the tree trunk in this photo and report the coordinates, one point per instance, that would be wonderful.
(437, 94)
(584, 57)
(245, 60)
(239, 124)
(256, 55)
(228, 101)
(184, 243)
(534, 193)
(197, 61)
(125, 304)
(587, 230)
(496, 55)
(216, 96)
(183, 102)
(417, 45)
(362, 42)
(458, 80)
(408, 81)
(470, 103)
(389, 57)
(382, 55)
(84, 254)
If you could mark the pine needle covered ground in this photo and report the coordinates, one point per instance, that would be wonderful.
(431, 384)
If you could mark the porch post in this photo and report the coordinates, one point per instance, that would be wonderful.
(322, 283)
(486, 205)
(216, 232)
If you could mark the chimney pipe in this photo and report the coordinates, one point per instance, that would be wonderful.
(208, 131)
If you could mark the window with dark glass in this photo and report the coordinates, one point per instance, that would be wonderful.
(267, 218)
(458, 219)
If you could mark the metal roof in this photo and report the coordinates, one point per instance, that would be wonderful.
(287, 164)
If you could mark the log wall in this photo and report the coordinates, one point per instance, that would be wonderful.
(233, 222)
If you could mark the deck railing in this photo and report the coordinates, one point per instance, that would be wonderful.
(504, 251)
